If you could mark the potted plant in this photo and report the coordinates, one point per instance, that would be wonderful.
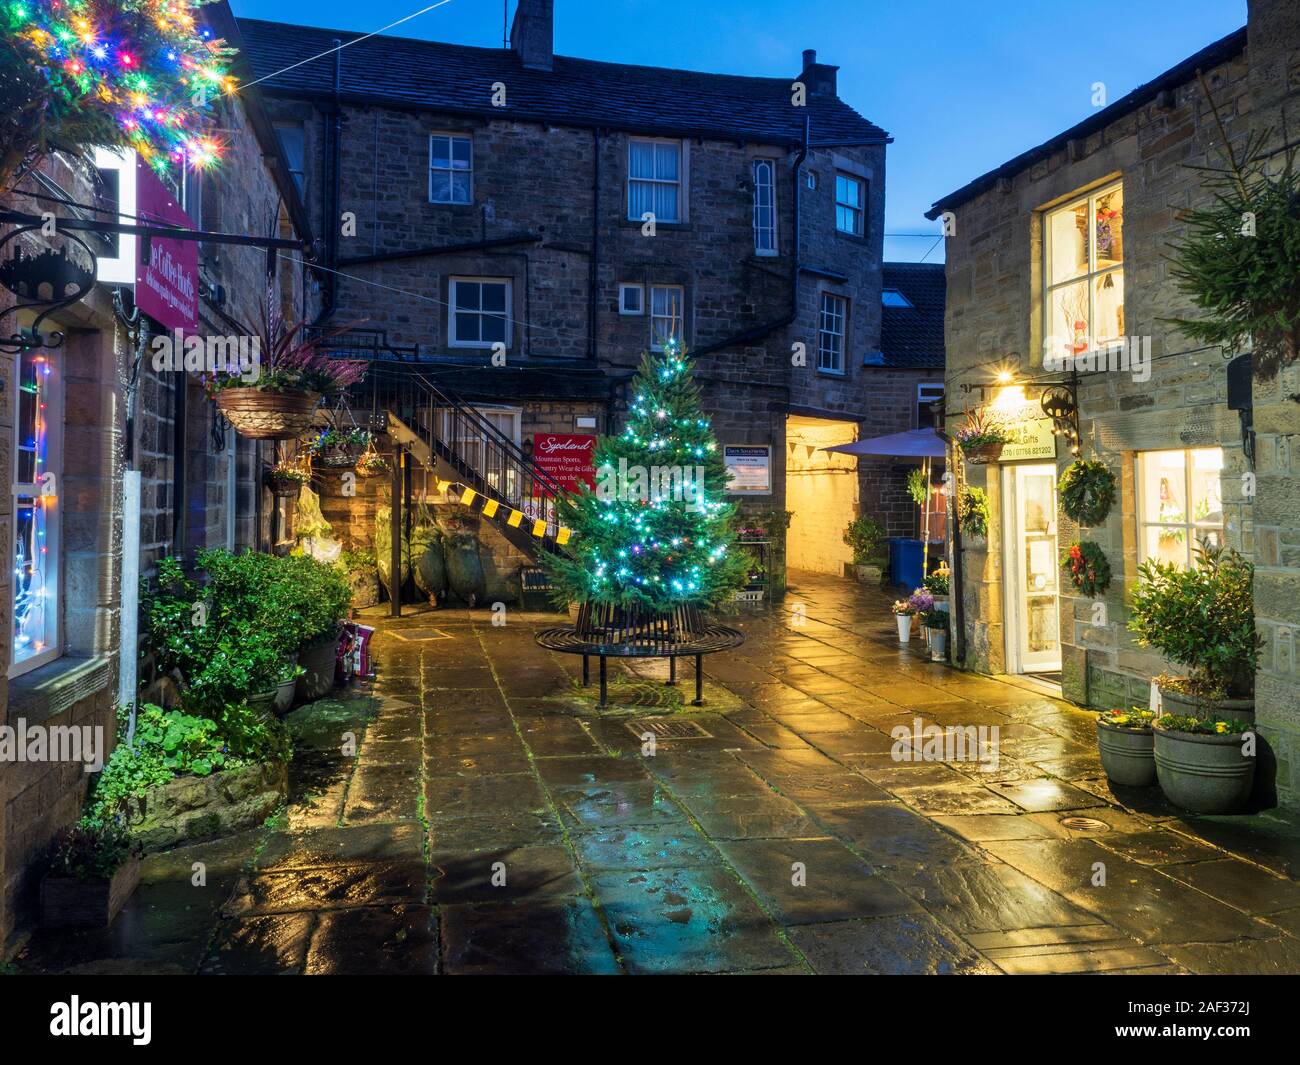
(936, 626)
(372, 464)
(285, 479)
(335, 447)
(1203, 619)
(1205, 764)
(983, 436)
(287, 686)
(921, 602)
(973, 512)
(277, 398)
(1127, 747)
(94, 868)
(939, 585)
(865, 536)
(903, 614)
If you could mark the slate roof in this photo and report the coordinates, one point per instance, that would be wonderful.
(912, 337)
(577, 92)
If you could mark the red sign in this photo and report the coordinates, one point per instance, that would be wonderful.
(567, 458)
(167, 282)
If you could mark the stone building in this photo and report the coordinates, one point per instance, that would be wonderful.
(574, 213)
(84, 413)
(1064, 251)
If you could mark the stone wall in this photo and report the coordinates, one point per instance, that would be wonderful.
(565, 190)
(994, 322)
(1274, 43)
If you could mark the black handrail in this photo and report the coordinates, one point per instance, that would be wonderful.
(502, 469)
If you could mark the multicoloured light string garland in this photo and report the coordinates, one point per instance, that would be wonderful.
(147, 63)
(31, 554)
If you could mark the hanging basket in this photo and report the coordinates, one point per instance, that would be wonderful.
(337, 457)
(283, 487)
(372, 464)
(982, 454)
(267, 415)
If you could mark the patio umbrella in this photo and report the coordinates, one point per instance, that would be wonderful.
(923, 444)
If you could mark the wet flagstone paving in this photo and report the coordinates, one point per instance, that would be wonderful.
(491, 821)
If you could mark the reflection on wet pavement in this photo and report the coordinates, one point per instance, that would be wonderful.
(490, 821)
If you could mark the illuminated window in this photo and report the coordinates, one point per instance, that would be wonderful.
(36, 472)
(1083, 274)
(1179, 503)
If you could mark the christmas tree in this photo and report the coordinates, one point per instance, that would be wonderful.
(657, 530)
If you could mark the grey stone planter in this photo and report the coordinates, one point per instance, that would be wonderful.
(1203, 774)
(869, 573)
(193, 808)
(1127, 755)
(1190, 706)
(67, 902)
(318, 659)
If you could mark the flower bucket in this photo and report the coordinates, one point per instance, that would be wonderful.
(268, 415)
(904, 627)
(938, 644)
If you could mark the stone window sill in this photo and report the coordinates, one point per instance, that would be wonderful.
(50, 689)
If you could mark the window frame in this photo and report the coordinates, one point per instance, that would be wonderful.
(768, 163)
(451, 135)
(1088, 277)
(859, 211)
(452, 310)
(679, 183)
(54, 465)
(926, 393)
(655, 345)
(903, 304)
(625, 286)
(1189, 525)
(298, 177)
(842, 369)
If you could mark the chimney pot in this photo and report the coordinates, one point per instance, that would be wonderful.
(809, 57)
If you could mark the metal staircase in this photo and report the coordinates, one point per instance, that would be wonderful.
(453, 440)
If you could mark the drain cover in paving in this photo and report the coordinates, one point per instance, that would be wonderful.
(420, 634)
(1083, 824)
(670, 728)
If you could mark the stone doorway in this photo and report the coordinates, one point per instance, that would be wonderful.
(821, 489)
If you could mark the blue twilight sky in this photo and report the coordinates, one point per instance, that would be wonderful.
(961, 85)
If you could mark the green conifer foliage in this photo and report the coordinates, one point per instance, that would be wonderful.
(658, 530)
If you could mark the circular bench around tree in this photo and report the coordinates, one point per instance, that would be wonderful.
(606, 630)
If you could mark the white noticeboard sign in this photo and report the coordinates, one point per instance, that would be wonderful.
(750, 469)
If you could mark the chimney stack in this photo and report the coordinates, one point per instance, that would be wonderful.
(532, 34)
(819, 78)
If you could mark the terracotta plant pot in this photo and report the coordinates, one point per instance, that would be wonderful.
(1203, 774)
(267, 415)
(982, 454)
(1127, 755)
(67, 902)
(904, 627)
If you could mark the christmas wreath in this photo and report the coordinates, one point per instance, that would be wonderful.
(1087, 566)
(1087, 491)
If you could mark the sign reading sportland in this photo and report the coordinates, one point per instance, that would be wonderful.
(750, 468)
(167, 281)
(567, 458)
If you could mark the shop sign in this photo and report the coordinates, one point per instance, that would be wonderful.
(749, 469)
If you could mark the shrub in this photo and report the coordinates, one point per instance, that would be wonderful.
(973, 512)
(1201, 618)
(864, 535)
(1135, 720)
(91, 850)
(1203, 726)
